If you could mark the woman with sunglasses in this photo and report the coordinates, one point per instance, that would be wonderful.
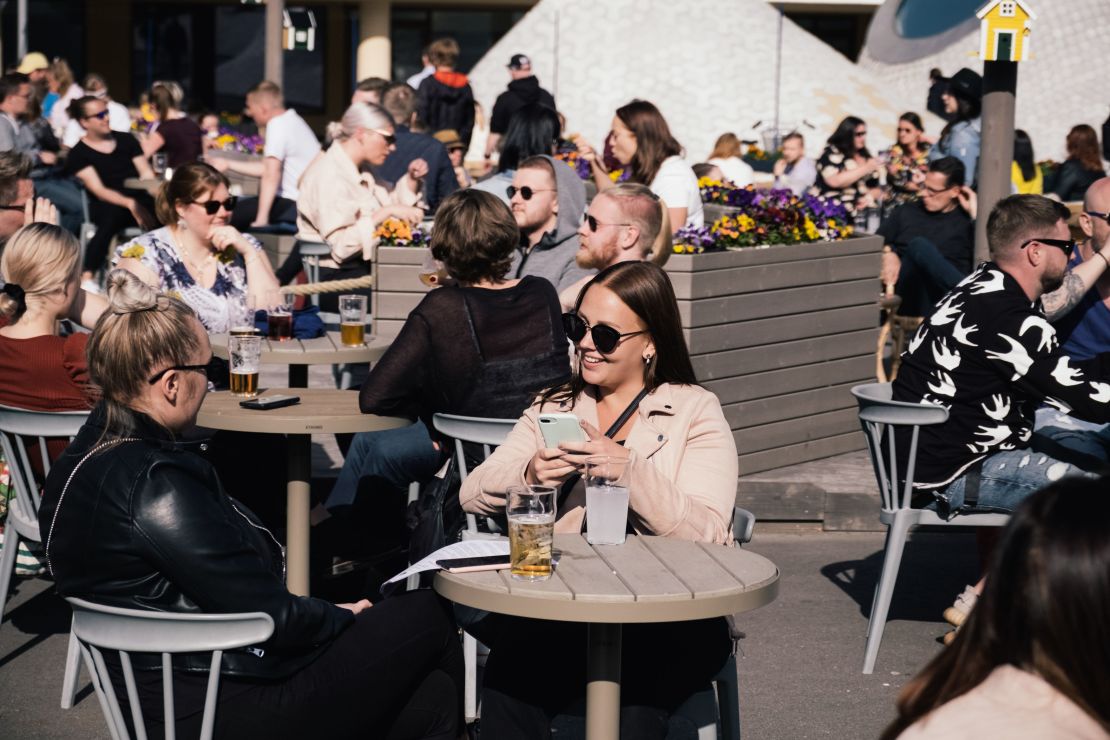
(103, 160)
(198, 254)
(342, 205)
(846, 171)
(632, 363)
(909, 161)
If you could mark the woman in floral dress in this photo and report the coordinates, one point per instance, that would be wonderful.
(909, 160)
(197, 255)
(846, 170)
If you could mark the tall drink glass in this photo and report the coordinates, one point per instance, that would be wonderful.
(245, 353)
(352, 320)
(279, 316)
(606, 499)
(531, 512)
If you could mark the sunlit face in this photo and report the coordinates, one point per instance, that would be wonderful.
(936, 195)
(196, 219)
(599, 249)
(17, 102)
(1098, 200)
(624, 141)
(95, 119)
(624, 366)
(195, 383)
(11, 221)
(949, 101)
(908, 134)
(376, 143)
(543, 207)
(1056, 263)
(210, 123)
(792, 150)
(456, 156)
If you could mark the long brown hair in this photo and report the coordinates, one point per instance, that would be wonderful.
(728, 145)
(1083, 147)
(654, 141)
(1044, 610)
(646, 289)
(189, 182)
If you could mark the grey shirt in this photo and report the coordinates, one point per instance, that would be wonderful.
(17, 136)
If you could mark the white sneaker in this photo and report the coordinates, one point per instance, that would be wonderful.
(958, 613)
(91, 286)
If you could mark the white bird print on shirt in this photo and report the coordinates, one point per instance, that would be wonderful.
(1065, 374)
(1056, 403)
(992, 284)
(1048, 334)
(1001, 408)
(946, 387)
(1016, 356)
(1102, 392)
(917, 338)
(994, 435)
(946, 312)
(943, 356)
(972, 277)
(962, 334)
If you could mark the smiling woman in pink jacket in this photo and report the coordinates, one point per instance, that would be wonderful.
(630, 354)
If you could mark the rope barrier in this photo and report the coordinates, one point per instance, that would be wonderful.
(330, 286)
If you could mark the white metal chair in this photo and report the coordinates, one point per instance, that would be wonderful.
(880, 415)
(311, 252)
(99, 627)
(489, 433)
(16, 426)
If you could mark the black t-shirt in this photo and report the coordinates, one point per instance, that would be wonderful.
(113, 168)
(953, 232)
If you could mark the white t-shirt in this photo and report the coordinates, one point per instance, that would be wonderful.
(290, 140)
(735, 170)
(118, 120)
(676, 185)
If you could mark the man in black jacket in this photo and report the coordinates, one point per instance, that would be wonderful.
(524, 89)
(445, 99)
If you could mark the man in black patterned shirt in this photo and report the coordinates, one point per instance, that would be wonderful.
(989, 355)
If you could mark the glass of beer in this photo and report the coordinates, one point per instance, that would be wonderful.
(240, 317)
(606, 499)
(279, 316)
(531, 513)
(352, 320)
(245, 354)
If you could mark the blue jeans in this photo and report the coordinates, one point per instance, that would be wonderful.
(399, 456)
(66, 197)
(925, 277)
(1083, 443)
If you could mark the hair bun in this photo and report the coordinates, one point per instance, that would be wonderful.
(128, 294)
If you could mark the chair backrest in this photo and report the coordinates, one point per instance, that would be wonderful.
(880, 416)
(16, 426)
(99, 627)
(487, 432)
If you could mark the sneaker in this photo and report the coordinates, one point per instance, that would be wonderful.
(957, 614)
(91, 286)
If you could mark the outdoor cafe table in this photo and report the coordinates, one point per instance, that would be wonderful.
(247, 185)
(321, 410)
(647, 579)
(298, 354)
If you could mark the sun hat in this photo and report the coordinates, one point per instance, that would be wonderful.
(450, 138)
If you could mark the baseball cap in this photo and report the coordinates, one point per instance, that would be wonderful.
(32, 61)
(519, 61)
(449, 137)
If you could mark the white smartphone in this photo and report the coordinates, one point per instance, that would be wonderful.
(560, 427)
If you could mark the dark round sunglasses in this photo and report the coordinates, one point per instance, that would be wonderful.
(526, 192)
(212, 207)
(606, 338)
(593, 223)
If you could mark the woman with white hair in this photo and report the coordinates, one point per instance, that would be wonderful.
(343, 206)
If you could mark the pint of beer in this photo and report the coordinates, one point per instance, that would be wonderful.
(352, 320)
(279, 316)
(531, 513)
(243, 331)
(245, 354)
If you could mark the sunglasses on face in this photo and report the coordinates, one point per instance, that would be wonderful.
(606, 338)
(212, 370)
(1067, 245)
(593, 223)
(212, 207)
(526, 192)
(1099, 215)
(860, 133)
(99, 116)
(390, 139)
(14, 207)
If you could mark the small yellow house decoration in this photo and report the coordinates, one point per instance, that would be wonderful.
(1004, 30)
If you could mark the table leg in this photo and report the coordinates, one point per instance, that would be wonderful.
(603, 682)
(298, 376)
(296, 512)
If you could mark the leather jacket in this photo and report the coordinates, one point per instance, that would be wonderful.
(145, 524)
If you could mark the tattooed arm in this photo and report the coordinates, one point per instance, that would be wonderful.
(1076, 284)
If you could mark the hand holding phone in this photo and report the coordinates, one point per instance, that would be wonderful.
(560, 427)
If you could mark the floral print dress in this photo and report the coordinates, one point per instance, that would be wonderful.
(900, 173)
(156, 251)
(833, 161)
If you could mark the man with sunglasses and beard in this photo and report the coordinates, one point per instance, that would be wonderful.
(547, 200)
(989, 355)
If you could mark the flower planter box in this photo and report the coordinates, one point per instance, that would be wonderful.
(397, 287)
(780, 334)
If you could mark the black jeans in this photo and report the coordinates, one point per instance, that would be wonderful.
(925, 277)
(537, 669)
(282, 211)
(396, 673)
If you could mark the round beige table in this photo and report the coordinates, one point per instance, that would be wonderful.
(298, 354)
(321, 410)
(647, 579)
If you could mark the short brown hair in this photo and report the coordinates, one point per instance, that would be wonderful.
(267, 89)
(14, 166)
(399, 100)
(190, 181)
(444, 52)
(474, 236)
(1019, 217)
(540, 162)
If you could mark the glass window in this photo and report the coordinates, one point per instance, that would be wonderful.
(475, 30)
(1007, 10)
(917, 19)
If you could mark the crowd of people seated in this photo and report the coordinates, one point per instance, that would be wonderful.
(549, 300)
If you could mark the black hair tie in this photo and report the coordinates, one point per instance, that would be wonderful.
(16, 293)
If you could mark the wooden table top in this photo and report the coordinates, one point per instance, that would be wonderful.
(325, 350)
(647, 579)
(321, 410)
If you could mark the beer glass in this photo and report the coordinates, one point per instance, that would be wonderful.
(606, 499)
(245, 354)
(240, 317)
(352, 320)
(279, 316)
(531, 513)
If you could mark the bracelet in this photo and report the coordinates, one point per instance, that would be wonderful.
(250, 259)
(1104, 259)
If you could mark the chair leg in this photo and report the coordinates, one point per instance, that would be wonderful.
(470, 693)
(7, 564)
(728, 700)
(892, 559)
(73, 672)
